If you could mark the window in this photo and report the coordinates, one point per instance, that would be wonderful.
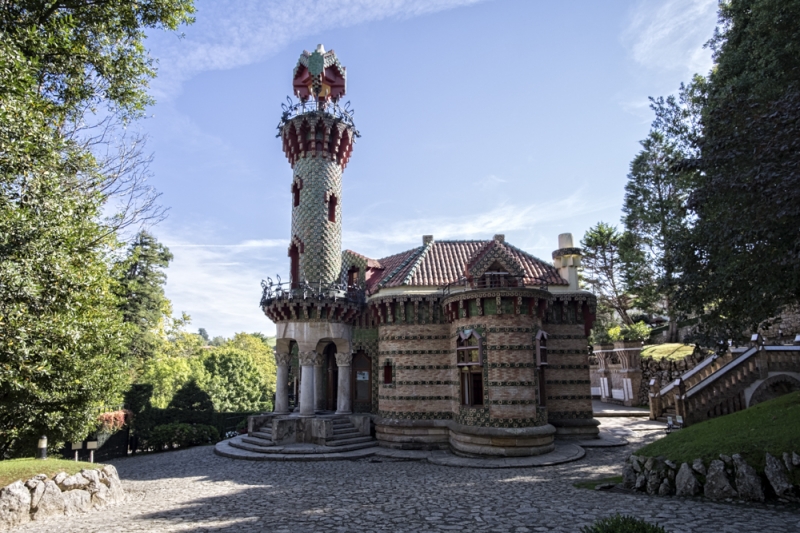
(295, 194)
(469, 358)
(352, 276)
(332, 208)
(541, 364)
(387, 373)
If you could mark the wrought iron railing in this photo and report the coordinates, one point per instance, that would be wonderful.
(507, 281)
(310, 290)
(292, 109)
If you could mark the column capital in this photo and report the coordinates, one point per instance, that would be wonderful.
(310, 358)
(282, 359)
(344, 358)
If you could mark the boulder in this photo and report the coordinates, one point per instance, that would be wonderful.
(665, 489)
(116, 492)
(654, 481)
(725, 459)
(77, 502)
(717, 486)
(15, 505)
(74, 482)
(686, 483)
(51, 502)
(776, 474)
(636, 463)
(36, 493)
(699, 467)
(795, 459)
(92, 475)
(641, 482)
(60, 477)
(671, 464)
(628, 477)
(787, 460)
(748, 483)
(32, 483)
(101, 495)
(110, 471)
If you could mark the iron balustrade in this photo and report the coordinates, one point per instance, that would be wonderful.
(310, 290)
(494, 281)
(293, 109)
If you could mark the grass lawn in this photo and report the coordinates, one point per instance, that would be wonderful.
(772, 426)
(23, 469)
(671, 351)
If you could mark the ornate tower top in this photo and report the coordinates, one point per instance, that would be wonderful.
(320, 76)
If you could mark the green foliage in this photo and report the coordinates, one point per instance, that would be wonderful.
(168, 374)
(179, 435)
(191, 397)
(638, 331)
(604, 270)
(740, 261)
(772, 426)
(140, 287)
(669, 351)
(234, 381)
(622, 524)
(12, 470)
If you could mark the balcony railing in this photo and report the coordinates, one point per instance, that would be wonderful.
(292, 109)
(493, 281)
(272, 291)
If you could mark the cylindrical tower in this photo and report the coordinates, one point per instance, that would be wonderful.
(317, 139)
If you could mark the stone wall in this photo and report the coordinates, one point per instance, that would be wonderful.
(665, 371)
(40, 498)
(729, 477)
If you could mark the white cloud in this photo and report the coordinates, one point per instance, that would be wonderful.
(229, 34)
(669, 35)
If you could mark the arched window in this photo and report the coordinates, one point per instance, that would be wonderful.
(469, 358)
(541, 365)
(332, 201)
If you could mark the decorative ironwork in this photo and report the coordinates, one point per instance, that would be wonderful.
(272, 291)
(292, 109)
(494, 282)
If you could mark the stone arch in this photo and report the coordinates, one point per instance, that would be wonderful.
(772, 387)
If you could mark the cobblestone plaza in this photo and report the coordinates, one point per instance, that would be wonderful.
(195, 490)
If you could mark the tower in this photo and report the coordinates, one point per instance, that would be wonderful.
(318, 138)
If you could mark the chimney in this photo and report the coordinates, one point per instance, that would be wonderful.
(500, 237)
(427, 239)
(567, 259)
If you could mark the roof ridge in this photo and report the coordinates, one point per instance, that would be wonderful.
(528, 254)
(420, 257)
(401, 266)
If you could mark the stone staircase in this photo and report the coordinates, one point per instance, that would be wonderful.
(346, 438)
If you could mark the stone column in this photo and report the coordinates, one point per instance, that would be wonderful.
(307, 360)
(282, 361)
(319, 385)
(343, 396)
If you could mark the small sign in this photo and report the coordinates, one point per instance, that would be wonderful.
(362, 376)
(77, 445)
(91, 444)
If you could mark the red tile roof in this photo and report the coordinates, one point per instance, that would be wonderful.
(443, 262)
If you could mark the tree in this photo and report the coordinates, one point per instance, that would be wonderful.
(604, 269)
(654, 208)
(141, 290)
(191, 398)
(234, 381)
(741, 260)
(60, 329)
(203, 333)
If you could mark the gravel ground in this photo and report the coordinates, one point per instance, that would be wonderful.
(195, 490)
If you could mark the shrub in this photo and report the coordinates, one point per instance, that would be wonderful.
(177, 435)
(636, 332)
(112, 421)
(615, 334)
(622, 524)
(191, 398)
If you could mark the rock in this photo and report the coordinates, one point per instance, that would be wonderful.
(725, 459)
(665, 489)
(686, 483)
(74, 482)
(648, 464)
(699, 467)
(628, 477)
(636, 463)
(36, 493)
(641, 482)
(91, 475)
(717, 486)
(50, 504)
(32, 483)
(60, 477)
(110, 471)
(795, 459)
(77, 502)
(40, 477)
(653, 481)
(15, 505)
(748, 483)
(671, 464)
(776, 474)
(787, 460)
(115, 490)
(101, 496)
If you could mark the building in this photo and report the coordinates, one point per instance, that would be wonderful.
(475, 346)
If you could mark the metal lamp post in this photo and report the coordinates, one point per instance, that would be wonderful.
(41, 451)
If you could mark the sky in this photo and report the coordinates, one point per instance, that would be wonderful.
(477, 117)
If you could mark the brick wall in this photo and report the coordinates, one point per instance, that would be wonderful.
(568, 387)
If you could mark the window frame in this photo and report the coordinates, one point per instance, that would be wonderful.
(470, 371)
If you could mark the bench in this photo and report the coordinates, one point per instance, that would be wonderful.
(676, 425)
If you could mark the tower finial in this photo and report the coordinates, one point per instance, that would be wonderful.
(320, 76)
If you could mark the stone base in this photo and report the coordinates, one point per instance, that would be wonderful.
(576, 428)
(468, 441)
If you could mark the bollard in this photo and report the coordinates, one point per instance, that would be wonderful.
(41, 452)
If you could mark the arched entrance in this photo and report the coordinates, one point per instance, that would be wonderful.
(332, 379)
(362, 382)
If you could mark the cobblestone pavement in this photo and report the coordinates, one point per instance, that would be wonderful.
(195, 490)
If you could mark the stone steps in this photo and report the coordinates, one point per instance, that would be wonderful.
(348, 441)
(266, 435)
(250, 439)
(297, 449)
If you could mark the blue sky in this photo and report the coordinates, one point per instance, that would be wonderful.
(477, 117)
